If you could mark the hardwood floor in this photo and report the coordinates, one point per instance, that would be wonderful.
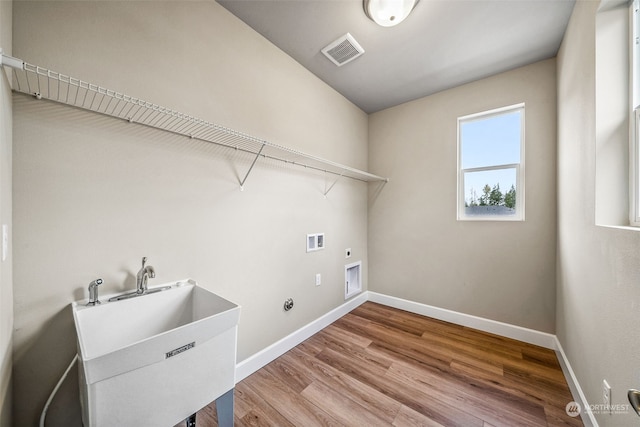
(380, 366)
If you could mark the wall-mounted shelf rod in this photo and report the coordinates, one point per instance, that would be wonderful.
(46, 84)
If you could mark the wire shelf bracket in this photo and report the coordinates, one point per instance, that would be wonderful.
(251, 168)
(326, 190)
(50, 85)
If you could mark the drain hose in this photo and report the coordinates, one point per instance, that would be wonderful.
(55, 390)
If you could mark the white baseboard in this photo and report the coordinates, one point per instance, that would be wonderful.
(531, 336)
(252, 363)
(588, 419)
(519, 333)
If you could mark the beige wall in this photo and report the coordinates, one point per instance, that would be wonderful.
(93, 195)
(6, 283)
(418, 250)
(598, 287)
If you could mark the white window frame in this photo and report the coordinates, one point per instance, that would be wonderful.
(634, 185)
(519, 167)
(634, 119)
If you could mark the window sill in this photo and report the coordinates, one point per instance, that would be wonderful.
(620, 227)
(488, 218)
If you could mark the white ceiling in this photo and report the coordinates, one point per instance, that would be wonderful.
(442, 44)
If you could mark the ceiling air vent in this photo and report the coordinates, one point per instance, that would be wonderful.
(343, 50)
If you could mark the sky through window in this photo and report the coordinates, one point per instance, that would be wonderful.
(488, 142)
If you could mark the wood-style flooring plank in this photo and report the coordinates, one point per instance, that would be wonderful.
(407, 417)
(259, 414)
(419, 399)
(345, 410)
(488, 404)
(379, 366)
(396, 341)
(346, 336)
(291, 405)
(374, 401)
(490, 379)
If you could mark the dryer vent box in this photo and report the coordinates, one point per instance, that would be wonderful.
(353, 279)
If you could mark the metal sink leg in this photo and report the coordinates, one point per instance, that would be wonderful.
(224, 408)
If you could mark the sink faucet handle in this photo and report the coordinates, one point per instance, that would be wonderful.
(93, 292)
(144, 261)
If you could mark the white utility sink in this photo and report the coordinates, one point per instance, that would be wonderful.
(155, 359)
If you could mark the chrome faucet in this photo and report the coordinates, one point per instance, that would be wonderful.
(143, 276)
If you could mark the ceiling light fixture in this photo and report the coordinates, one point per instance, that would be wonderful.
(388, 13)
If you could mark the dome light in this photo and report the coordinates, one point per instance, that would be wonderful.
(388, 13)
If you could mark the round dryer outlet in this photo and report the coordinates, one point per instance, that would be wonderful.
(288, 304)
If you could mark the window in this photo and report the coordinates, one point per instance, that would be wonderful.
(612, 116)
(491, 165)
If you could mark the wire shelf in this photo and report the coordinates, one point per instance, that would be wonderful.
(46, 84)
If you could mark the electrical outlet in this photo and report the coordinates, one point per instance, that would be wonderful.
(606, 394)
(318, 279)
